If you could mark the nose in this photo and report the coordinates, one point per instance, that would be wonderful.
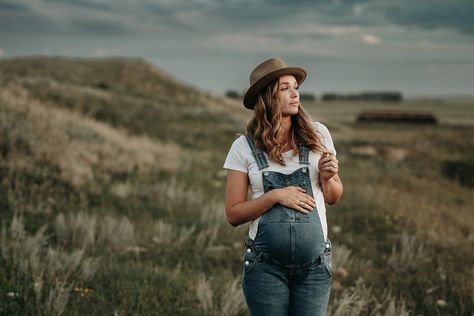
(294, 93)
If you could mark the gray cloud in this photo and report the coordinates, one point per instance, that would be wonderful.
(213, 16)
(456, 15)
(351, 42)
(12, 7)
(431, 14)
(93, 5)
(97, 27)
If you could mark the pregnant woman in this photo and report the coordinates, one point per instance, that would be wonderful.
(290, 164)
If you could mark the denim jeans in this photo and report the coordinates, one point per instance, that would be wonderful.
(274, 289)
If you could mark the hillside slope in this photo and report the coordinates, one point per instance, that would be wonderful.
(129, 93)
(81, 128)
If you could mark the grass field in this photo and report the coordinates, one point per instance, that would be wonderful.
(112, 198)
(401, 210)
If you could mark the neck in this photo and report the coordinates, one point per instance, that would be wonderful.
(286, 127)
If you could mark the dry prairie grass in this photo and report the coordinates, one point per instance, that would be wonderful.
(80, 230)
(77, 145)
(165, 234)
(41, 275)
(230, 301)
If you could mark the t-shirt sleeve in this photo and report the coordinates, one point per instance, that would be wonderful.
(325, 137)
(236, 157)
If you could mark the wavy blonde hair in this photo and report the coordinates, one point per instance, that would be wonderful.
(265, 126)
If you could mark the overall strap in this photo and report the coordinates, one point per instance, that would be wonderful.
(304, 155)
(257, 154)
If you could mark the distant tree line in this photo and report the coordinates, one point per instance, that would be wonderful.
(233, 94)
(384, 96)
(381, 96)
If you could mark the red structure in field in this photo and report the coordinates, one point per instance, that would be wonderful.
(396, 117)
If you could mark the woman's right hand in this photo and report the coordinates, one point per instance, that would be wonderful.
(295, 198)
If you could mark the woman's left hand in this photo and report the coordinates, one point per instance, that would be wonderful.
(328, 165)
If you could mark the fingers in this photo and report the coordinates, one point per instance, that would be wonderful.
(302, 210)
(303, 207)
(327, 154)
(328, 162)
(309, 201)
(328, 158)
(300, 189)
(306, 204)
(298, 199)
(305, 198)
(330, 166)
(300, 192)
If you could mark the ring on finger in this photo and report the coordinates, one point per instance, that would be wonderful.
(301, 203)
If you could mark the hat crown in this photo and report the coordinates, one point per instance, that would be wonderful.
(266, 67)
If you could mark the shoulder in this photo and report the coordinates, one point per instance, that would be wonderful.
(238, 155)
(320, 128)
(241, 147)
(240, 144)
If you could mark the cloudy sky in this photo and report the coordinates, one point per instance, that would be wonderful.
(417, 47)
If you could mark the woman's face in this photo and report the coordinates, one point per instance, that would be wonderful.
(288, 96)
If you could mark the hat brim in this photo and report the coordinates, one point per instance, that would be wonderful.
(250, 97)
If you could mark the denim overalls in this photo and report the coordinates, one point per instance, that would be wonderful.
(287, 267)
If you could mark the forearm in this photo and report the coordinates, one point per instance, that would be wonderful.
(243, 212)
(332, 189)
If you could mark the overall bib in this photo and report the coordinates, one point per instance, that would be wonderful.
(287, 267)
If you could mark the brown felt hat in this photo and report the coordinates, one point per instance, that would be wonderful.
(265, 73)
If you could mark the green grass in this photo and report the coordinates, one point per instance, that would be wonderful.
(127, 177)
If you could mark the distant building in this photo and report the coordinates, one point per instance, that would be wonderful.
(413, 117)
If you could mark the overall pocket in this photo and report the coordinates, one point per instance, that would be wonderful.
(328, 258)
(250, 259)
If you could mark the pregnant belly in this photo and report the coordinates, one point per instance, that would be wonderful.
(290, 243)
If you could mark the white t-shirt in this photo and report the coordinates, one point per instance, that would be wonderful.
(240, 158)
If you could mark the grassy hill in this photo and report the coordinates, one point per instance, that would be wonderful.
(126, 93)
(112, 192)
